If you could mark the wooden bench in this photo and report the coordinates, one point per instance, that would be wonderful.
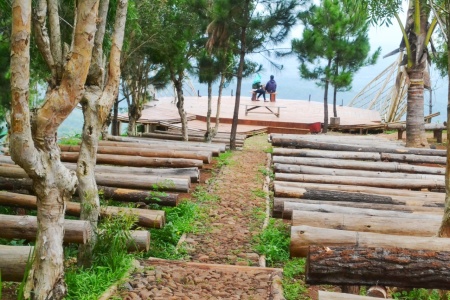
(251, 106)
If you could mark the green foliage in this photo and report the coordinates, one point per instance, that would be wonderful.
(110, 260)
(21, 288)
(73, 140)
(179, 220)
(417, 294)
(293, 279)
(334, 44)
(267, 172)
(273, 242)
(224, 159)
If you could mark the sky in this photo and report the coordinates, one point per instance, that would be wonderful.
(291, 86)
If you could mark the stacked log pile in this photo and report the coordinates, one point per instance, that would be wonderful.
(352, 196)
(142, 171)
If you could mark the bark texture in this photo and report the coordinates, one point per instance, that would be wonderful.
(34, 145)
(378, 266)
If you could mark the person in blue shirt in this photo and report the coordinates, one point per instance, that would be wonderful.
(271, 85)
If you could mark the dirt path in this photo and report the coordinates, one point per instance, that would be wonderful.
(222, 263)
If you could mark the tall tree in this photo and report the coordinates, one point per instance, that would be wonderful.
(100, 93)
(415, 41)
(34, 144)
(178, 46)
(139, 72)
(246, 27)
(334, 46)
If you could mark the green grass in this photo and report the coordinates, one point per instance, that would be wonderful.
(294, 287)
(110, 260)
(273, 242)
(224, 158)
(72, 140)
(418, 294)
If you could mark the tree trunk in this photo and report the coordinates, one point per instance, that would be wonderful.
(242, 52)
(35, 147)
(115, 121)
(325, 101)
(180, 105)
(378, 266)
(219, 101)
(304, 236)
(208, 134)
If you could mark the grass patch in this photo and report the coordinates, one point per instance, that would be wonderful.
(273, 242)
(71, 140)
(179, 220)
(418, 294)
(110, 260)
(224, 159)
(294, 287)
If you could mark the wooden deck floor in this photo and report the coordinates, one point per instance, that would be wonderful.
(294, 114)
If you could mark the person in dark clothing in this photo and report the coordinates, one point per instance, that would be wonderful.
(271, 85)
(260, 91)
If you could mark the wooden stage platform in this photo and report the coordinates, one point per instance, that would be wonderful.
(294, 116)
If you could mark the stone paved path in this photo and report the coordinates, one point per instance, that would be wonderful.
(222, 262)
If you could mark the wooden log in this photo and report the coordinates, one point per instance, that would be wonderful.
(145, 217)
(215, 150)
(296, 189)
(179, 137)
(193, 173)
(75, 231)
(358, 165)
(139, 241)
(326, 154)
(13, 261)
(427, 126)
(143, 182)
(304, 236)
(278, 206)
(412, 158)
(298, 141)
(130, 195)
(137, 161)
(25, 227)
(392, 183)
(185, 145)
(117, 194)
(289, 207)
(404, 224)
(323, 295)
(200, 155)
(297, 169)
(384, 266)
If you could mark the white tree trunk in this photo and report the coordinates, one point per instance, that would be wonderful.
(34, 146)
